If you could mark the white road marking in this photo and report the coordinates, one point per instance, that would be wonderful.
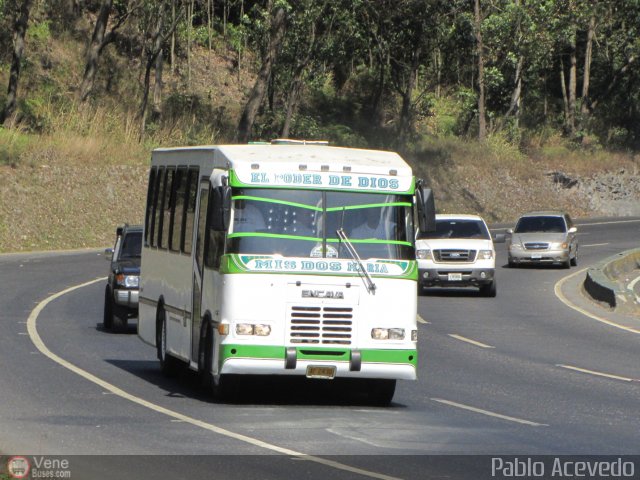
(422, 320)
(489, 413)
(613, 222)
(37, 341)
(632, 284)
(565, 300)
(599, 374)
(594, 245)
(468, 340)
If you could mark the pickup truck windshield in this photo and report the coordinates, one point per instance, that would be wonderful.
(459, 229)
(303, 223)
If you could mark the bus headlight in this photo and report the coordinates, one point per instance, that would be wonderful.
(253, 329)
(244, 329)
(414, 335)
(262, 330)
(387, 333)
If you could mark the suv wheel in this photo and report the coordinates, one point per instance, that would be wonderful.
(107, 321)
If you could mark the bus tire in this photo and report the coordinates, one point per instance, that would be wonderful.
(226, 388)
(381, 391)
(168, 364)
(205, 355)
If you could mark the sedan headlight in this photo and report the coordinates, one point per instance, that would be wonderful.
(423, 254)
(128, 281)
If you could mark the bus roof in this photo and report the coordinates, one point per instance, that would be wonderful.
(302, 165)
(310, 155)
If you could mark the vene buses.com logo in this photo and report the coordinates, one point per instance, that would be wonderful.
(18, 467)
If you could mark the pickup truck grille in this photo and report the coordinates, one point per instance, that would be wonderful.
(536, 246)
(320, 325)
(454, 255)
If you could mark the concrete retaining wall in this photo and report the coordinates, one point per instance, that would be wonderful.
(603, 281)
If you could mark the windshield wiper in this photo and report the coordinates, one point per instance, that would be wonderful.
(368, 282)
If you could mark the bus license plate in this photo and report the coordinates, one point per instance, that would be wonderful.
(315, 371)
(455, 277)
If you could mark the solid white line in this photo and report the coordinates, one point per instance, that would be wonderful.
(468, 340)
(632, 284)
(422, 320)
(599, 374)
(37, 341)
(488, 413)
(595, 245)
(614, 222)
(558, 291)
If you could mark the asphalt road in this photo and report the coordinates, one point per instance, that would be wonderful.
(520, 374)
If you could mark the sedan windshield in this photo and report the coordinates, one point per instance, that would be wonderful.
(540, 224)
(303, 223)
(459, 229)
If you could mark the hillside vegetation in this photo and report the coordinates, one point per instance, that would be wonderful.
(399, 75)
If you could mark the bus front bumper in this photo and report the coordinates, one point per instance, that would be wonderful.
(389, 364)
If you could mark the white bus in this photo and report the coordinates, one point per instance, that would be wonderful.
(283, 259)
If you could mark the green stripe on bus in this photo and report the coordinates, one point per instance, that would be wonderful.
(279, 202)
(337, 355)
(316, 239)
(368, 205)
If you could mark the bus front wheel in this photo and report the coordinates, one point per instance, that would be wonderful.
(168, 364)
(381, 391)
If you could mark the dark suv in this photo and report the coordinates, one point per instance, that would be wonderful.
(121, 292)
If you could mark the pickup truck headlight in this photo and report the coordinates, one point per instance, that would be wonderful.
(423, 254)
(485, 254)
(128, 281)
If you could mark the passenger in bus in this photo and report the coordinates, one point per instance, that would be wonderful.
(247, 218)
(371, 226)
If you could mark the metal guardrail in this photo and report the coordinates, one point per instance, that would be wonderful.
(603, 280)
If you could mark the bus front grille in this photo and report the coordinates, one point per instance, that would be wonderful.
(320, 325)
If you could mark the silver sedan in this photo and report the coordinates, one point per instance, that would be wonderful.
(543, 238)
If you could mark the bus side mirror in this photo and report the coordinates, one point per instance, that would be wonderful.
(426, 209)
(221, 208)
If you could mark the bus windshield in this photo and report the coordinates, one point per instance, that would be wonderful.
(303, 223)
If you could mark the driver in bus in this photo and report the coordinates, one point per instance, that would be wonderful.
(247, 218)
(371, 226)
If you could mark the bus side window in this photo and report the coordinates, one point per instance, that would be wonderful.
(150, 196)
(214, 246)
(177, 208)
(202, 221)
(190, 209)
(165, 220)
(157, 199)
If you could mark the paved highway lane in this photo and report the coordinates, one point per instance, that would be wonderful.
(510, 392)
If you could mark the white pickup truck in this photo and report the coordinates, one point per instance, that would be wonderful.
(460, 253)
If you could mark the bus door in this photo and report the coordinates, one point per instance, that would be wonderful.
(196, 302)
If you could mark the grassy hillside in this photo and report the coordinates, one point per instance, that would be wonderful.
(70, 172)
